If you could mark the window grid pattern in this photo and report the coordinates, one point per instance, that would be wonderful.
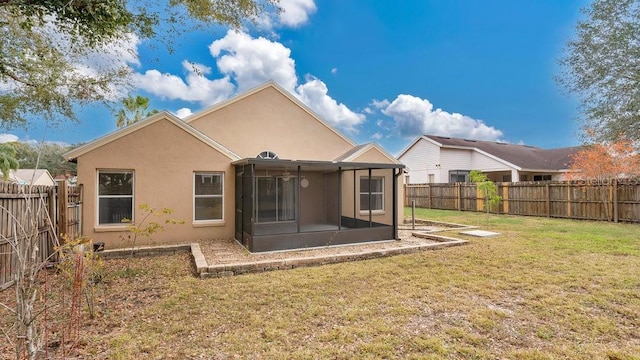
(208, 196)
(373, 194)
(115, 196)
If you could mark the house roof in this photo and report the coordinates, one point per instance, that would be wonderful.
(520, 156)
(163, 115)
(357, 151)
(258, 88)
(27, 176)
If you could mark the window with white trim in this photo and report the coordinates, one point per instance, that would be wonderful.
(269, 155)
(373, 194)
(208, 191)
(115, 196)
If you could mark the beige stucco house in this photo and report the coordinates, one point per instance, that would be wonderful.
(441, 159)
(261, 168)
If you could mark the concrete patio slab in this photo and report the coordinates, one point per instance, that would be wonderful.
(479, 233)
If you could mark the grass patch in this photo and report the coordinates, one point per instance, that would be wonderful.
(543, 289)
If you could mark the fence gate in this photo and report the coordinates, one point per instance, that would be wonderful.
(38, 207)
(69, 210)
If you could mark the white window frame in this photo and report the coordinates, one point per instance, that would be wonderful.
(381, 178)
(207, 175)
(268, 155)
(98, 196)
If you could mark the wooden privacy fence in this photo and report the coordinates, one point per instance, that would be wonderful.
(41, 211)
(571, 200)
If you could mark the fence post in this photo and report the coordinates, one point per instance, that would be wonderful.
(459, 196)
(63, 221)
(505, 198)
(548, 199)
(429, 192)
(413, 214)
(568, 201)
(615, 200)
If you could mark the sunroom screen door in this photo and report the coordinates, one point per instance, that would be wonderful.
(275, 200)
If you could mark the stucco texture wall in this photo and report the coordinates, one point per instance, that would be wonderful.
(269, 120)
(164, 158)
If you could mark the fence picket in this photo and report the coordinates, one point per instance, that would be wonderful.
(14, 199)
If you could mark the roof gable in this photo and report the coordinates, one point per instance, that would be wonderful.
(358, 151)
(251, 92)
(163, 115)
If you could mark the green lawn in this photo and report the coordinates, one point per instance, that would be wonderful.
(544, 289)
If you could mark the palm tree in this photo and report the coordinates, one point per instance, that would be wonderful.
(8, 160)
(134, 110)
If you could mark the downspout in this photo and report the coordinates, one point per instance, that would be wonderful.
(340, 198)
(298, 203)
(355, 219)
(370, 213)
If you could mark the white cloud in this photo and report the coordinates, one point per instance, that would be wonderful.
(245, 62)
(415, 116)
(334, 71)
(197, 87)
(183, 113)
(376, 136)
(251, 62)
(296, 12)
(314, 93)
(5, 138)
(380, 104)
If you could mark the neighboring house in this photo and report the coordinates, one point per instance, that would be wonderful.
(260, 167)
(439, 159)
(71, 180)
(31, 177)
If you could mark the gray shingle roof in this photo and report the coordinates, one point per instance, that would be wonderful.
(523, 156)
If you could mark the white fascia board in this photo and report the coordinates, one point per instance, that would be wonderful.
(163, 115)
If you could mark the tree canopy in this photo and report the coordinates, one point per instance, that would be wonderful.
(602, 66)
(42, 156)
(8, 160)
(48, 48)
(133, 110)
(604, 162)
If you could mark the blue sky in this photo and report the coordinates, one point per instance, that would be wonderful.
(384, 71)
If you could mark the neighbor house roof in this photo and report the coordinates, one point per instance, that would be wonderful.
(31, 176)
(163, 115)
(519, 156)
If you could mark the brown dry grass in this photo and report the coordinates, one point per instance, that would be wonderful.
(544, 289)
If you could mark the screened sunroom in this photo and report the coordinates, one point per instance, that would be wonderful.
(289, 204)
